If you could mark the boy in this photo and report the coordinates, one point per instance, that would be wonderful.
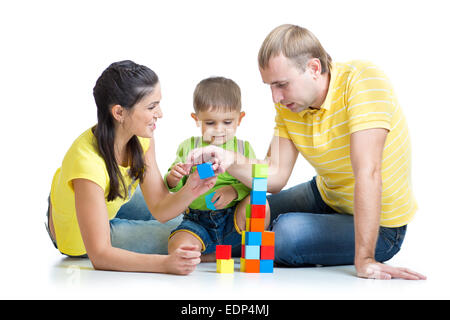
(217, 105)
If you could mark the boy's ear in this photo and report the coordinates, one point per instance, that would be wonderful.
(194, 116)
(240, 117)
(117, 112)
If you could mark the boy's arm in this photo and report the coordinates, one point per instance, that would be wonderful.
(182, 151)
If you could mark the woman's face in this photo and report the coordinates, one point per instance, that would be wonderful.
(141, 119)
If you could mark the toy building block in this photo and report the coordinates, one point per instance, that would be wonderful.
(252, 252)
(258, 211)
(258, 197)
(256, 225)
(247, 224)
(223, 251)
(259, 184)
(266, 266)
(253, 238)
(243, 250)
(268, 238)
(260, 170)
(267, 253)
(252, 266)
(225, 266)
(205, 170)
(242, 265)
(248, 211)
(243, 237)
(209, 203)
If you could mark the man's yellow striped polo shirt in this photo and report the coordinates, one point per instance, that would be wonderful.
(360, 97)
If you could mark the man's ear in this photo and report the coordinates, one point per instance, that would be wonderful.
(315, 66)
(194, 116)
(118, 112)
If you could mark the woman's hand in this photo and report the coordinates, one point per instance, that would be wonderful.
(224, 196)
(183, 260)
(197, 186)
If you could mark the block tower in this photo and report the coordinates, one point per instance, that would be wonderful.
(258, 246)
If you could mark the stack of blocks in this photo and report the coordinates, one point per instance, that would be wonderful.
(258, 246)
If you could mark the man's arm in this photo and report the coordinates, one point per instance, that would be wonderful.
(281, 158)
(366, 153)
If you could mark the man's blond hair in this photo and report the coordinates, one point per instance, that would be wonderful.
(296, 43)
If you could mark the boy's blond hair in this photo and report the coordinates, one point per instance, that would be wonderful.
(296, 43)
(217, 93)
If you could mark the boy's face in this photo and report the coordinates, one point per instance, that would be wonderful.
(218, 127)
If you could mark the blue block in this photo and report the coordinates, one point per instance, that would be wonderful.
(259, 184)
(265, 266)
(205, 170)
(253, 238)
(258, 197)
(252, 252)
(209, 203)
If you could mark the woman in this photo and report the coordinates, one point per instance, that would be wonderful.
(102, 170)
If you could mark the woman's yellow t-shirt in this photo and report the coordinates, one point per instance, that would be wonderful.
(83, 161)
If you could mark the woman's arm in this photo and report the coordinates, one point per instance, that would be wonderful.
(281, 158)
(94, 226)
(164, 205)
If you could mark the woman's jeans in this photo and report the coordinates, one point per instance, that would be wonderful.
(135, 229)
(308, 232)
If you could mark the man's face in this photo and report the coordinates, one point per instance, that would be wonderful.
(293, 88)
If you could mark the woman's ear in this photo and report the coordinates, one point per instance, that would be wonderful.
(118, 113)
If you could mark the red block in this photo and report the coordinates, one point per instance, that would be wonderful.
(267, 253)
(258, 211)
(223, 251)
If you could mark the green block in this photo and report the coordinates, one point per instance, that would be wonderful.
(260, 170)
(248, 211)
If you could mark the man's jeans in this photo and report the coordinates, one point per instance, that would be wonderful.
(309, 232)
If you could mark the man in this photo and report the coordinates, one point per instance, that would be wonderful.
(345, 120)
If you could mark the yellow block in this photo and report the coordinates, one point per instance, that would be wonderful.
(242, 268)
(225, 265)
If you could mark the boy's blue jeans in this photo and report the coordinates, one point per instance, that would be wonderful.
(309, 232)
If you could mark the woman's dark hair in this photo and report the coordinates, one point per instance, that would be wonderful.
(123, 83)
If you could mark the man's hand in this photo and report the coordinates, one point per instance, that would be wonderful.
(374, 270)
(220, 158)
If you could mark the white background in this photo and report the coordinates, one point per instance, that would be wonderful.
(52, 52)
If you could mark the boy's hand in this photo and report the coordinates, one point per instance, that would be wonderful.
(224, 196)
(177, 172)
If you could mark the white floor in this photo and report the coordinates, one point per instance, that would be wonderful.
(45, 274)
